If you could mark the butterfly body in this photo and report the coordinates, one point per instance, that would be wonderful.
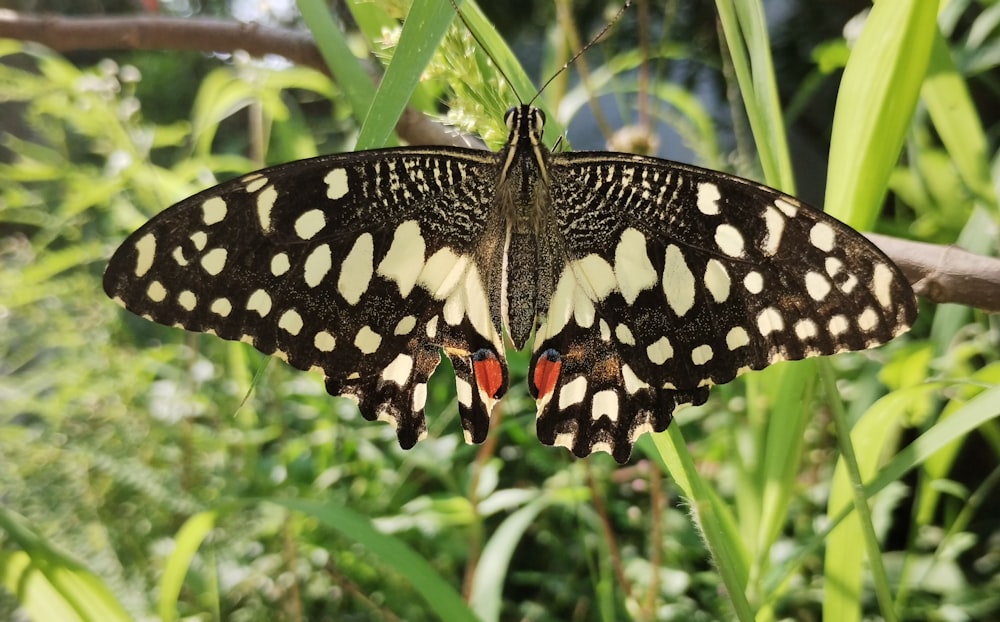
(642, 281)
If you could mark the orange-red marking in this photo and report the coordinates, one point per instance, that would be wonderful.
(489, 373)
(547, 372)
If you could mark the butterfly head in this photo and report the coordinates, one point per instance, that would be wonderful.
(525, 125)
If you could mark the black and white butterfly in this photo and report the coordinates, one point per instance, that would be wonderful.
(639, 282)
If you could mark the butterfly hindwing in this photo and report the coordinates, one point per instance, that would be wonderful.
(677, 278)
(363, 266)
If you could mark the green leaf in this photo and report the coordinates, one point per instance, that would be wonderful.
(875, 103)
(188, 540)
(749, 46)
(441, 597)
(957, 122)
(843, 566)
(347, 71)
(423, 29)
(49, 584)
(494, 562)
(713, 518)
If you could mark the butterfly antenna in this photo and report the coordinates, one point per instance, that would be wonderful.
(580, 52)
(479, 43)
(565, 66)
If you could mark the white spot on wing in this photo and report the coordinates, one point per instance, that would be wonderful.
(367, 340)
(633, 384)
(849, 284)
(600, 447)
(405, 259)
(882, 284)
(214, 261)
(753, 282)
(624, 335)
(387, 415)
(356, 270)
(291, 322)
(336, 183)
(817, 286)
(187, 300)
(463, 391)
(769, 320)
(708, 198)
(221, 307)
(595, 276)
(643, 428)
(833, 266)
(432, 327)
(146, 249)
(786, 208)
(560, 305)
(199, 239)
(442, 272)
(678, 281)
(838, 325)
(605, 405)
(213, 210)
(729, 239)
(317, 265)
(737, 337)
(583, 309)
(179, 257)
(565, 439)
(265, 203)
(633, 269)
(324, 341)
(254, 183)
(309, 224)
(398, 371)
(573, 392)
(156, 291)
(478, 304)
(660, 351)
(702, 354)
(420, 396)
(280, 264)
(471, 301)
(805, 329)
(868, 319)
(822, 237)
(260, 302)
(405, 325)
(717, 280)
(775, 224)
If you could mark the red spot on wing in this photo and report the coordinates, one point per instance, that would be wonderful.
(488, 371)
(547, 372)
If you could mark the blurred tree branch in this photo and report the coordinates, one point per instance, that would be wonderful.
(939, 273)
(139, 32)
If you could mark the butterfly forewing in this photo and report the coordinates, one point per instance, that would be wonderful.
(644, 281)
(363, 266)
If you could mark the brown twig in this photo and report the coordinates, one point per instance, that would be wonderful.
(945, 273)
(141, 32)
(939, 273)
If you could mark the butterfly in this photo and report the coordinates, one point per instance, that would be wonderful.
(638, 282)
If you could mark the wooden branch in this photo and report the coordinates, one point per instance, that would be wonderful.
(141, 32)
(945, 273)
(939, 273)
